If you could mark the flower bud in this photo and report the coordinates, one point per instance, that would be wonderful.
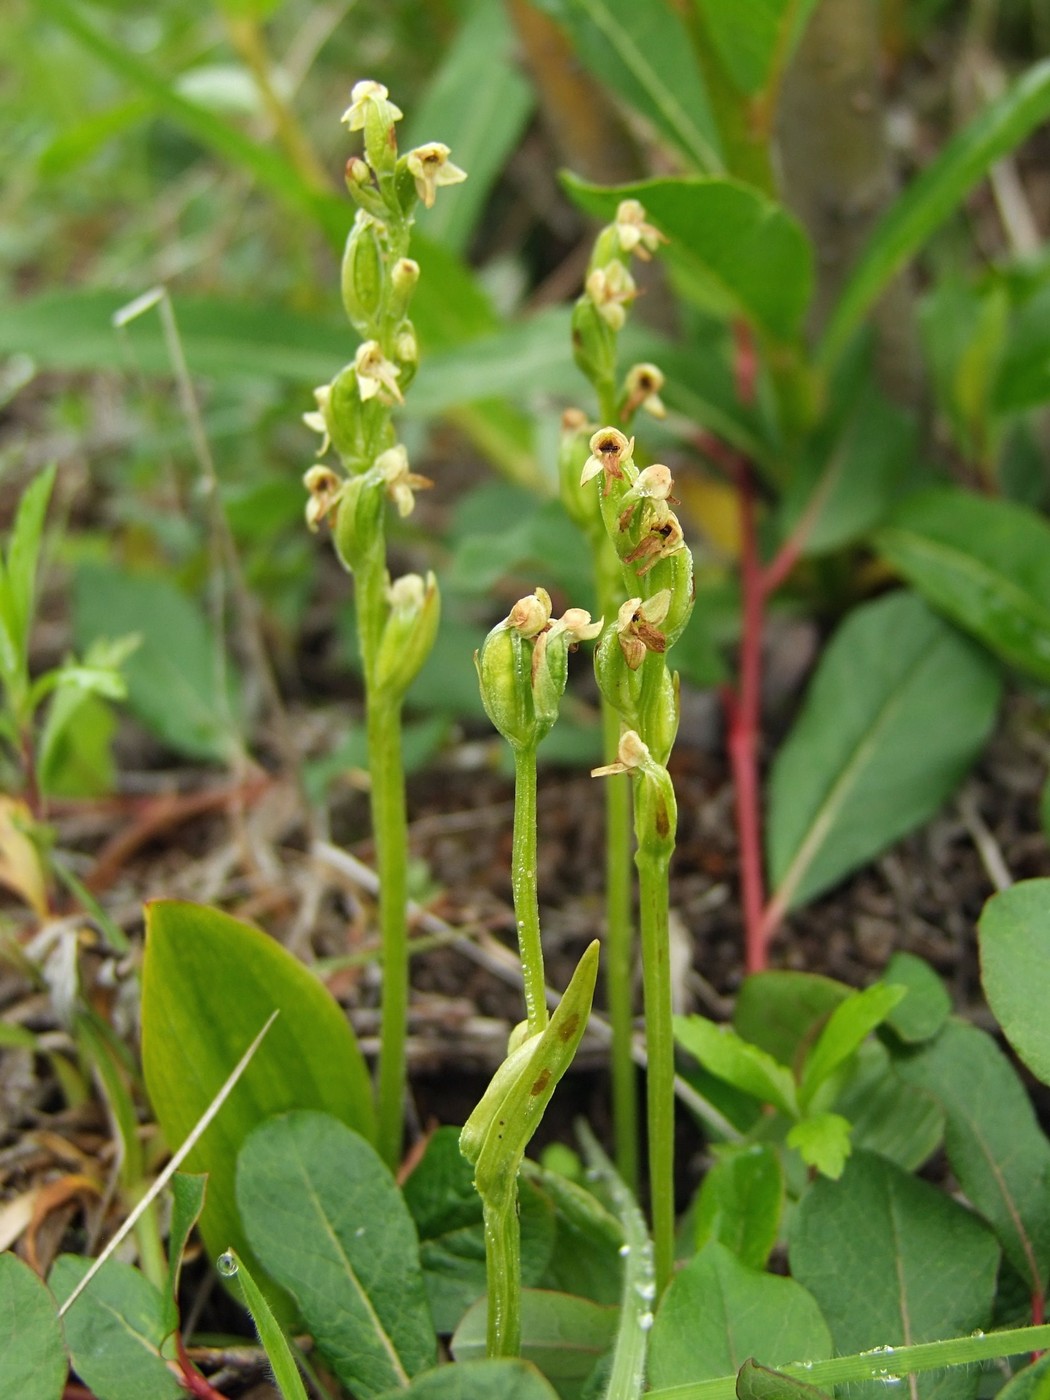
(372, 112)
(404, 278)
(358, 527)
(362, 273)
(406, 353)
(573, 451)
(408, 634)
(593, 344)
(504, 667)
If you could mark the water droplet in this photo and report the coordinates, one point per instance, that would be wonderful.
(625, 1250)
(645, 1321)
(359, 1232)
(977, 1332)
(226, 1264)
(807, 1365)
(646, 1290)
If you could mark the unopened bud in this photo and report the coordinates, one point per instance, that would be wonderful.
(362, 273)
(404, 278)
(593, 344)
(372, 112)
(408, 634)
(358, 528)
(573, 451)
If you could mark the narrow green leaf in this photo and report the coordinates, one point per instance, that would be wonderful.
(642, 54)
(926, 1007)
(209, 982)
(738, 252)
(175, 677)
(33, 1361)
(754, 41)
(896, 713)
(1033, 1383)
(722, 1052)
(275, 1343)
(325, 1216)
(1014, 932)
(929, 200)
(478, 1380)
(187, 1202)
(562, 1335)
(863, 1246)
(717, 1313)
(114, 1331)
(740, 1202)
(756, 1382)
(849, 1024)
(996, 1148)
(23, 552)
(984, 563)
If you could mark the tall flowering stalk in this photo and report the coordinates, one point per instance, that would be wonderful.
(396, 619)
(630, 665)
(598, 317)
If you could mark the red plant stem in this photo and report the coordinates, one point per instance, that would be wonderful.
(744, 711)
(191, 1378)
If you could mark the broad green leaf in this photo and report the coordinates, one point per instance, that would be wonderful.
(930, 199)
(996, 1148)
(114, 1331)
(271, 1334)
(1014, 936)
(175, 677)
(926, 1007)
(187, 1202)
(892, 1260)
(1033, 1383)
(896, 713)
(717, 1313)
(822, 1140)
(982, 562)
(849, 1024)
(890, 1117)
(738, 252)
(782, 1011)
(586, 1256)
(1023, 381)
(756, 1382)
(447, 1212)
(562, 1335)
(754, 41)
(33, 1361)
(722, 1052)
(209, 983)
(740, 1202)
(325, 1216)
(477, 103)
(478, 1380)
(642, 54)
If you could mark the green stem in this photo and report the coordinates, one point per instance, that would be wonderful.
(503, 1272)
(524, 882)
(653, 873)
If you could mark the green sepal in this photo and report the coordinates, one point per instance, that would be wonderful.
(358, 527)
(362, 273)
(408, 637)
(593, 344)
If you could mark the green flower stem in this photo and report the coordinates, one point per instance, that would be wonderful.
(503, 1271)
(524, 882)
(653, 873)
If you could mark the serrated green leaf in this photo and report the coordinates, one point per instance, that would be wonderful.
(928, 201)
(33, 1363)
(722, 1052)
(823, 1142)
(849, 1024)
(1014, 935)
(740, 1203)
(984, 563)
(174, 680)
(863, 1246)
(717, 1313)
(562, 1335)
(114, 1331)
(325, 1216)
(209, 983)
(896, 713)
(996, 1148)
(739, 253)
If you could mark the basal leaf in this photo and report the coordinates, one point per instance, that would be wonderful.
(722, 1052)
(324, 1215)
(114, 1331)
(209, 983)
(847, 1026)
(864, 1247)
(175, 676)
(738, 252)
(928, 201)
(717, 1313)
(643, 55)
(562, 1335)
(1014, 933)
(896, 713)
(740, 1202)
(985, 563)
(996, 1148)
(33, 1363)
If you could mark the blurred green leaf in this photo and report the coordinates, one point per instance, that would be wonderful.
(926, 1007)
(738, 252)
(755, 1382)
(33, 1362)
(642, 54)
(781, 1011)
(1014, 933)
(754, 41)
(984, 563)
(897, 711)
(477, 1380)
(1023, 379)
(930, 199)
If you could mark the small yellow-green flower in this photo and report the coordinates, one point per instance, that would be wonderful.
(401, 483)
(635, 234)
(376, 375)
(364, 93)
(430, 167)
(324, 487)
